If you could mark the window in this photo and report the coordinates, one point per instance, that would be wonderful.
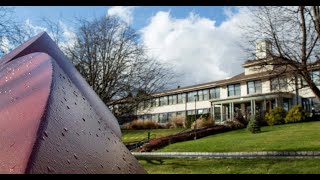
(155, 102)
(181, 113)
(203, 95)
(171, 115)
(163, 117)
(315, 76)
(234, 90)
(215, 93)
(155, 117)
(254, 87)
(202, 111)
(190, 112)
(181, 98)
(303, 82)
(191, 96)
(278, 83)
(200, 95)
(164, 101)
(173, 99)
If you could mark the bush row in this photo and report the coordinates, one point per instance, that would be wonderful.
(279, 115)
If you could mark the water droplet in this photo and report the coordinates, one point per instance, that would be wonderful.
(12, 169)
(12, 144)
(75, 156)
(66, 129)
(45, 133)
(13, 99)
(50, 169)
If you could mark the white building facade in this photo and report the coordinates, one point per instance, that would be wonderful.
(252, 92)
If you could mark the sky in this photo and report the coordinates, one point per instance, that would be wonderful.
(200, 43)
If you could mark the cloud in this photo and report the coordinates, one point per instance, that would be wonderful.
(67, 36)
(34, 29)
(198, 49)
(124, 13)
(5, 45)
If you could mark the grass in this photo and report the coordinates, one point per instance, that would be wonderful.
(232, 166)
(140, 135)
(289, 137)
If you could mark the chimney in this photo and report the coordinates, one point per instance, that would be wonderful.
(263, 49)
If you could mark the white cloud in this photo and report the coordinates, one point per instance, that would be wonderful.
(34, 29)
(5, 45)
(197, 48)
(124, 13)
(68, 36)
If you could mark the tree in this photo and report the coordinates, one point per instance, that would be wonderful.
(11, 33)
(295, 36)
(109, 56)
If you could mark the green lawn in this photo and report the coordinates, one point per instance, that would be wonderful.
(233, 166)
(289, 137)
(139, 135)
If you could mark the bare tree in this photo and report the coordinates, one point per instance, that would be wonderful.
(10, 30)
(294, 34)
(108, 54)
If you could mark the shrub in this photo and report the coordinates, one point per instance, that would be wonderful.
(276, 116)
(141, 124)
(234, 124)
(203, 122)
(239, 117)
(177, 122)
(253, 125)
(296, 114)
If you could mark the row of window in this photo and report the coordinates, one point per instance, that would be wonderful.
(165, 117)
(253, 87)
(200, 95)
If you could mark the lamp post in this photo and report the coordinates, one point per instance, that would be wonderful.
(195, 116)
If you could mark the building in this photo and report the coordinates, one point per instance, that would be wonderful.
(252, 92)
